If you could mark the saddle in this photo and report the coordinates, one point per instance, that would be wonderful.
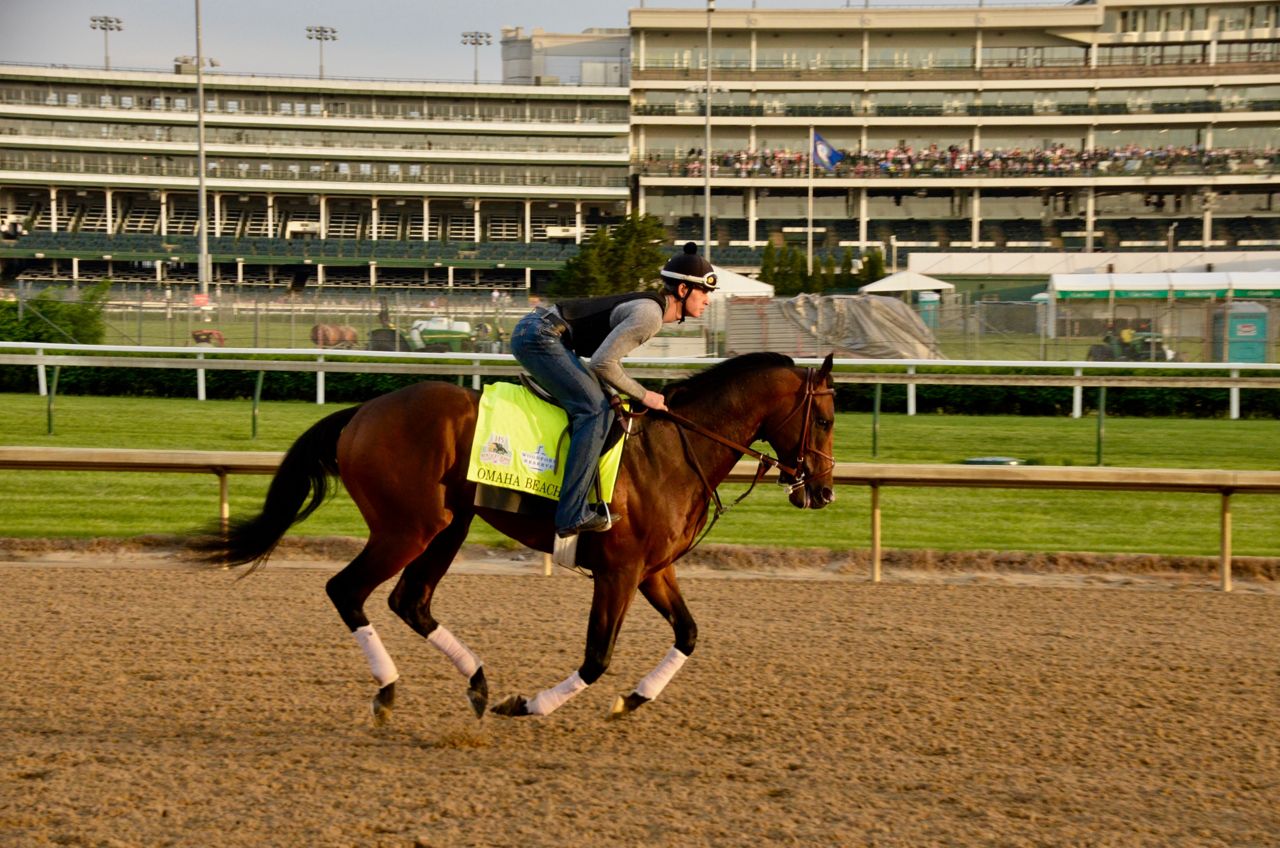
(521, 435)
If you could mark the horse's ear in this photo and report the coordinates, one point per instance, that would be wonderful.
(825, 370)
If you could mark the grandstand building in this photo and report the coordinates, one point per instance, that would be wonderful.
(381, 183)
(1103, 126)
(1140, 124)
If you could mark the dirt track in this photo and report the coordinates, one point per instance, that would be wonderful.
(155, 706)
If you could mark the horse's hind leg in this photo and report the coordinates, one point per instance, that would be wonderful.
(382, 558)
(663, 593)
(411, 600)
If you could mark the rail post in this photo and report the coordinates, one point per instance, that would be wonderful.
(1224, 553)
(875, 533)
(320, 383)
(224, 504)
(53, 391)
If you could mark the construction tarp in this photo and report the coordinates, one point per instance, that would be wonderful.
(905, 281)
(1220, 284)
(866, 325)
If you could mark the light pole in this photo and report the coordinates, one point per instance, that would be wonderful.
(706, 147)
(202, 196)
(1172, 228)
(476, 40)
(321, 34)
(108, 25)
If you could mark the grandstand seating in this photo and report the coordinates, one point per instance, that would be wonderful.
(141, 218)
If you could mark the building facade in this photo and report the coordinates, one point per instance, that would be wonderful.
(1111, 125)
(1135, 125)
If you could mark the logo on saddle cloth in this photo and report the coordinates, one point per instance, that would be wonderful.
(519, 443)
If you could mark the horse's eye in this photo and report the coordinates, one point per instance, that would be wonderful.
(823, 423)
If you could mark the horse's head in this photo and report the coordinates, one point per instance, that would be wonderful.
(801, 433)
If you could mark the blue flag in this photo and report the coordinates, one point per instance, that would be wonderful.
(824, 154)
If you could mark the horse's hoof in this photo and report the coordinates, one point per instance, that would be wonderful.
(511, 706)
(382, 704)
(625, 705)
(478, 692)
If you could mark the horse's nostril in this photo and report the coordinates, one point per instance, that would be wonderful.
(828, 496)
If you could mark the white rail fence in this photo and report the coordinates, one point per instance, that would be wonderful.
(875, 476)
(910, 372)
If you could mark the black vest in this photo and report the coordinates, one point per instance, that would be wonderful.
(588, 318)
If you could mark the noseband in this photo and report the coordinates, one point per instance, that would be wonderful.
(800, 472)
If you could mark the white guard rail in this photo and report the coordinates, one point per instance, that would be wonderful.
(875, 476)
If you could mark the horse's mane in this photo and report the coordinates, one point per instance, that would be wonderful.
(724, 373)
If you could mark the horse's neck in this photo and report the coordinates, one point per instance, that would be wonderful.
(730, 417)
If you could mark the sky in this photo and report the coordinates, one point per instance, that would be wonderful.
(403, 39)
(397, 39)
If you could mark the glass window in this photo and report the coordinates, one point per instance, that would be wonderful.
(286, 108)
(366, 168)
(233, 105)
(73, 99)
(180, 104)
(104, 100)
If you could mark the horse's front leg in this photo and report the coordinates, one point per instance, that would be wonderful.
(610, 599)
(663, 593)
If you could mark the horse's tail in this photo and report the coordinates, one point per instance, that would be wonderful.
(304, 472)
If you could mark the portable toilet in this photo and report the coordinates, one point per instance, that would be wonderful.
(1240, 332)
(928, 303)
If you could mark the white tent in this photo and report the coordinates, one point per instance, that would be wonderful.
(731, 284)
(905, 281)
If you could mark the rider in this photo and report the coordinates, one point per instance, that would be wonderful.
(549, 341)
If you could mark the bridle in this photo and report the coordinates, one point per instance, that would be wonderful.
(792, 476)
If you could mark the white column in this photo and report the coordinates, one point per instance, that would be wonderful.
(53, 209)
(271, 216)
(528, 221)
(475, 217)
(1090, 211)
(862, 218)
(426, 218)
(373, 218)
(217, 215)
(751, 215)
(111, 212)
(164, 213)
(975, 220)
(324, 216)
(373, 274)
(577, 221)
(75, 269)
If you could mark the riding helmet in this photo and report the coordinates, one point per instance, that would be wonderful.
(689, 267)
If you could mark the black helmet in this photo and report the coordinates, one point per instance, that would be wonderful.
(689, 267)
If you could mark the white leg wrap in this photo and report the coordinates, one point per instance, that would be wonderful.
(459, 654)
(655, 681)
(384, 670)
(548, 700)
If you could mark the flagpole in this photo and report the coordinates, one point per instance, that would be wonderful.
(809, 229)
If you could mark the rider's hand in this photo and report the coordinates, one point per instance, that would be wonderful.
(653, 400)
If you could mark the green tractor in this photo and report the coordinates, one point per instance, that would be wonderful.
(1132, 346)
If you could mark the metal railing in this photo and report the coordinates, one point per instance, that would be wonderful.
(874, 476)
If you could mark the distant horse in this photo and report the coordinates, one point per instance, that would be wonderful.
(403, 458)
(334, 335)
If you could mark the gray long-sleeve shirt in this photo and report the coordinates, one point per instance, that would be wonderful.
(633, 323)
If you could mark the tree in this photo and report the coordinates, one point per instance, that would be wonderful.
(46, 318)
(624, 260)
(768, 264)
(828, 280)
(846, 278)
(872, 267)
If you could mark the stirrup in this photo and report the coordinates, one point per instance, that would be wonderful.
(564, 549)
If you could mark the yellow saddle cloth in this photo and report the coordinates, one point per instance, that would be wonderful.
(521, 443)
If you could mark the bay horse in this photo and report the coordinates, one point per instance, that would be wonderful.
(403, 458)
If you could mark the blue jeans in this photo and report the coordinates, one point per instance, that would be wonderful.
(538, 346)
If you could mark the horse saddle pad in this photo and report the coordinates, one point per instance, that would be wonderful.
(521, 443)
